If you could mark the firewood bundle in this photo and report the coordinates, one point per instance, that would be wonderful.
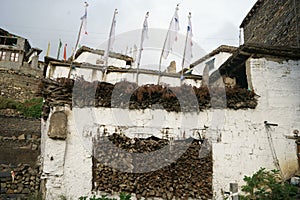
(127, 95)
(119, 165)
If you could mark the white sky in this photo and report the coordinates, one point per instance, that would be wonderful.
(215, 22)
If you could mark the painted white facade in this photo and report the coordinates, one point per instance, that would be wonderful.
(241, 142)
(96, 59)
(220, 58)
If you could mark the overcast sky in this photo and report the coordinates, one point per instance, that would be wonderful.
(215, 22)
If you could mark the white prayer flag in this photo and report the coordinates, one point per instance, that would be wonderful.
(172, 34)
(143, 37)
(84, 19)
(111, 38)
(188, 46)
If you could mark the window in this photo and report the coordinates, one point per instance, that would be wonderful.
(8, 41)
(14, 57)
(2, 55)
(17, 57)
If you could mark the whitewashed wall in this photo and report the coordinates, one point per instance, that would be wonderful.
(245, 146)
(239, 138)
(69, 172)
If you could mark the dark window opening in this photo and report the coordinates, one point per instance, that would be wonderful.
(8, 41)
(128, 62)
(241, 77)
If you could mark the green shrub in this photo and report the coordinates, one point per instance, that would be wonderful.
(265, 185)
(123, 196)
(31, 108)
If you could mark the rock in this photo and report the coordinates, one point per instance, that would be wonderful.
(21, 137)
(34, 147)
(25, 191)
(9, 191)
(58, 126)
(3, 185)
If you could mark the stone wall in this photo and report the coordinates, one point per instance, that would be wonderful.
(18, 181)
(18, 85)
(19, 152)
(275, 22)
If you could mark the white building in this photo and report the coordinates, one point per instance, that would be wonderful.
(242, 140)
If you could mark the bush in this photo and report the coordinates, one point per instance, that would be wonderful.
(265, 185)
(31, 108)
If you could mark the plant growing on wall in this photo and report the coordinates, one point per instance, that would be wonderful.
(265, 185)
(123, 196)
(31, 108)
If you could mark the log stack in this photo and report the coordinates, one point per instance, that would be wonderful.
(128, 95)
(124, 169)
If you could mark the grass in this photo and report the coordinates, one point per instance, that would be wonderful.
(30, 108)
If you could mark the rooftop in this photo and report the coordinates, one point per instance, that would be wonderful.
(239, 57)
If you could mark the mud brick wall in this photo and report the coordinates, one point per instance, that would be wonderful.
(275, 22)
(189, 176)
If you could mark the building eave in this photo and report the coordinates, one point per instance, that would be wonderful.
(101, 52)
(239, 57)
(222, 48)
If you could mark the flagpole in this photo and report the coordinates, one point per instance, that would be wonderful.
(164, 46)
(58, 50)
(160, 59)
(48, 50)
(141, 48)
(184, 52)
(106, 53)
(77, 41)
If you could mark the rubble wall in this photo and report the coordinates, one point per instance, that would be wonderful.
(18, 85)
(19, 152)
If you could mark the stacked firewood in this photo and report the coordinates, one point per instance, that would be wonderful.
(80, 93)
(119, 165)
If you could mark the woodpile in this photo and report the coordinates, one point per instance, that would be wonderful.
(124, 94)
(186, 177)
